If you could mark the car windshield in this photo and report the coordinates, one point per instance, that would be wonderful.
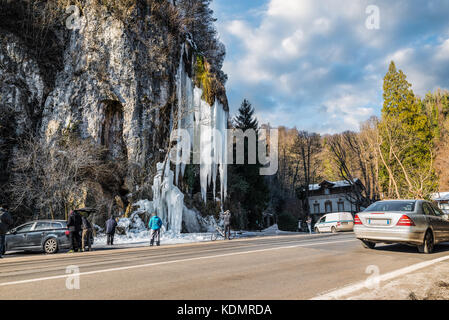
(407, 206)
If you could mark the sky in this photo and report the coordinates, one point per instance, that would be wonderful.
(318, 65)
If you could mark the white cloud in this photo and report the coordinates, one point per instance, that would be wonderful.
(443, 51)
(291, 45)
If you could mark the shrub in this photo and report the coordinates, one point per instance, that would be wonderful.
(286, 222)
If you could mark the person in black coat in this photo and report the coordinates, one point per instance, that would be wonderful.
(74, 224)
(87, 233)
(111, 225)
(5, 223)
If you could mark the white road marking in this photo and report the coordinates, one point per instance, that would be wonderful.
(169, 262)
(345, 291)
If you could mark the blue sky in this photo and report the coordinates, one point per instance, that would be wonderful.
(315, 65)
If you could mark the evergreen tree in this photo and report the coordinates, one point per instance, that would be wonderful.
(246, 185)
(245, 119)
(406, 141)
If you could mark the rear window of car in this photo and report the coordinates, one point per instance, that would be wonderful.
(388, 206)
(43, 226)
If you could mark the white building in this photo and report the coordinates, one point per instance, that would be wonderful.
(331, 196)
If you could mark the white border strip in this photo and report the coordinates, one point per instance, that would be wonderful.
(345, 291)
(167, 262)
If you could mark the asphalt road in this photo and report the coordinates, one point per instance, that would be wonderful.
(284, 267)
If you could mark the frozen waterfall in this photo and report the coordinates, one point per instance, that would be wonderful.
(201, 133)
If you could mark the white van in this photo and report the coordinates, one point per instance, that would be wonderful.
(334, 222)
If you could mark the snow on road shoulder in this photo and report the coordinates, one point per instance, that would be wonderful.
(140, 235)
(166, 238)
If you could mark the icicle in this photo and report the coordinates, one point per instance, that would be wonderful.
(179, 81)
(168, 200)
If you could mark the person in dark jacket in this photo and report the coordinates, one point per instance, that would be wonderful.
(87, 233)
(74, 224)
(5, 223)
(111, 225)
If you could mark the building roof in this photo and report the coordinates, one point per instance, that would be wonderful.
(332, 184)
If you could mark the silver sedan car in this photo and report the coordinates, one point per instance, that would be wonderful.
(414, 222)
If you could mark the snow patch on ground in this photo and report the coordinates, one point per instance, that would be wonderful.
(137, 233)
(143, 237)
(271, 231)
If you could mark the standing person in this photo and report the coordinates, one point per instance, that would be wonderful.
(309, 224)
(155, 226)
(111, 225)
(299, 225)
(5, 223)
(87, 233)
(74, 224)
(227, 224)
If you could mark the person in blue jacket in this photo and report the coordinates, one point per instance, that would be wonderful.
(155, 226)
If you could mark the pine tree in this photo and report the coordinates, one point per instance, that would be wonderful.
(406, 141)
(246, 185)
(245, 119)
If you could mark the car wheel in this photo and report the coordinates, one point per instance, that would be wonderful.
(333, 230)
(368, 244)
(317, 230)
(51, 246)
(428, 244)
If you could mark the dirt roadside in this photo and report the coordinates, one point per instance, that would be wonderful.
(431, 283)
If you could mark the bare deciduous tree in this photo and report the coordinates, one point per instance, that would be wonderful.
(51, 177)
(357, 157)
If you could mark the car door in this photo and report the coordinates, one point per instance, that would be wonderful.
(35, 236)
(444, 222)
(16, 239)
(435, 221)
(322, 224)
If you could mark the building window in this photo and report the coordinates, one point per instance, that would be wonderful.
(328, 206)
(327, 191)
(341, 206)
(316, 208)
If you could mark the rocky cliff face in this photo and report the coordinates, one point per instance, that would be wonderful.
(116, 86)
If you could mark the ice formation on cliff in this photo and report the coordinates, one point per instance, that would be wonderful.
(201, 130)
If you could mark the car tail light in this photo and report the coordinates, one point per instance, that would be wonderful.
(405, 221)
(357, 219)
(67, 232)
